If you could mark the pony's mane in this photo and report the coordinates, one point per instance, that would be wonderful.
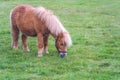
(67, 39)
(53, 23)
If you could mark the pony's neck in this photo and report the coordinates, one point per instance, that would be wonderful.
(57, 36)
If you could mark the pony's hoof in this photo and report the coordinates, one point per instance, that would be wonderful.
(26, 49)
(47, 52)
(14, 47)
(39, 55)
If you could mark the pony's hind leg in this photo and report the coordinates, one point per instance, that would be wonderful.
(46, 36)
(15, 37)
(24, 43)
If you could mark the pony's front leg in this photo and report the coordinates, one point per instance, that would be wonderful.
(40, 44)
(46, 36)
(24, 43)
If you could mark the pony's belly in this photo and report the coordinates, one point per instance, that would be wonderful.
(29, 32)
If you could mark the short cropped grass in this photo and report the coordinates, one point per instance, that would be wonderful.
(94, 26)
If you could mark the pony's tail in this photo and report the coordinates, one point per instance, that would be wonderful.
(10, 19)
(11, 28)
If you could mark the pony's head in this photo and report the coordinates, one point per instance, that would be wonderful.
(62, 41)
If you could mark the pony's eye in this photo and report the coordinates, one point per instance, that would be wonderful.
(61, 44)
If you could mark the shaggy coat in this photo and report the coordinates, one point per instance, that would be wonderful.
(38, 22)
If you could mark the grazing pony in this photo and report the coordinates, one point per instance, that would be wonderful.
(38, 22)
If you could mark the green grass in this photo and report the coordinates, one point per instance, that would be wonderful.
(94, 26)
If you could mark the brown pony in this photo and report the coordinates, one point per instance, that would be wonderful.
(38, 22)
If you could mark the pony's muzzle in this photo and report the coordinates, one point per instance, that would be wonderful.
(62, 55)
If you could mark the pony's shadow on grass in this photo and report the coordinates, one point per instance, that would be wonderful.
(30, 54)
(19, 56)
(51, 54)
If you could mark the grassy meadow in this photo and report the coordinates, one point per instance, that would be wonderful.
(94, 26)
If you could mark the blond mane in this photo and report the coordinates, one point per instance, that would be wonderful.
(53, 23)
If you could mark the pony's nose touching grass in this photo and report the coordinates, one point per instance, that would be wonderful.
(62, 55)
